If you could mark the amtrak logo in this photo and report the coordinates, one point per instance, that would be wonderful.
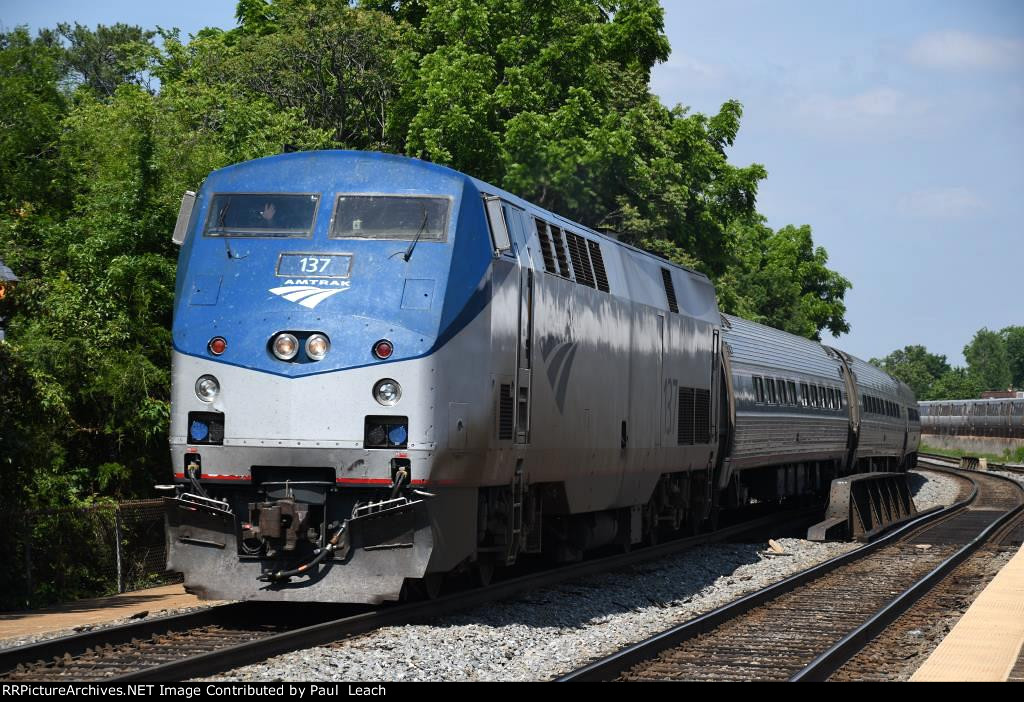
(307, 295)
(559, 357)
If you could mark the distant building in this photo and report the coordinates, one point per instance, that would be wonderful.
(999, 394)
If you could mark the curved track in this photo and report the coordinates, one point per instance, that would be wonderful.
(807, 626)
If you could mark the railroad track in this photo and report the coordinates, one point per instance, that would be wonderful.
(227, 636)
(949, 461)
(807, 626)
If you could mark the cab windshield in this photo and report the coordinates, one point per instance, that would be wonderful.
(403, 217)
(263, 214)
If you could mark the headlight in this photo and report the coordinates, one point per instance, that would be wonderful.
(207, 388)
(317, 346)
(285, 346)
(387, 392)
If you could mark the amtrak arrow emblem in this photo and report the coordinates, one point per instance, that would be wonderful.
(306, 295)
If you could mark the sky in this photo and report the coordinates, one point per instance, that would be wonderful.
(894, 129)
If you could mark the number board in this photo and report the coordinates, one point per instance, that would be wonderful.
(312, 265)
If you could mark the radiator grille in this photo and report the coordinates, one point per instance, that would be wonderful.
(563, 259)
(580, 259)
(599, 272)
(506, 408)
(694, 416)
(702, 416)
(670, 290)
(685, 430)
(545, 246)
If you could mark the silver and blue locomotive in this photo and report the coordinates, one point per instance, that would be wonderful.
(385, 371)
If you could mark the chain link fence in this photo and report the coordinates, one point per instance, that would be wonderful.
(67, 554)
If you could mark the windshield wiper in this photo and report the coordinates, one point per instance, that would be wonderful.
(408, 252)
(223, 233)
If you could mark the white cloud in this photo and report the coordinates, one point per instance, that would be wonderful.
(961, 50)
(870, 111)
(941, 202)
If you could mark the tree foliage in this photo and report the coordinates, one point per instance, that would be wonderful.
(993, 360)
(988, 361)
(915, 367)
(1013, 338)
(781, 279)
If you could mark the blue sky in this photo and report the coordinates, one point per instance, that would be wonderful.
(895, 129)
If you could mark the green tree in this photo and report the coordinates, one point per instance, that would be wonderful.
(104, 58)
(31, 107)
(332, 64)
(988, 361)
(955, 384)
(1013, 338)
(915, 367)
(781, 279)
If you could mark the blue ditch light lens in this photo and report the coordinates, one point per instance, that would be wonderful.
(398, 435)
(198, 431)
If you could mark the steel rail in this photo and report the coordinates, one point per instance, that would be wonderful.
(831, 660)
(77, 644)
(614, 665)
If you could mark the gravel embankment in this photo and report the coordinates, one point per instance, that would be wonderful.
(930, 488)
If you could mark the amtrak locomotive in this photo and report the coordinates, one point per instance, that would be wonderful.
(385, 371)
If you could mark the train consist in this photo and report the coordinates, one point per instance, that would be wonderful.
(1001, 418)
(386, 371)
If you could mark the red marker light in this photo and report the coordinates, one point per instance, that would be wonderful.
(217, 345)
(383, 349)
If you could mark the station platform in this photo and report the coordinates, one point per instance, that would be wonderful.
(153, 601)
(986, 644)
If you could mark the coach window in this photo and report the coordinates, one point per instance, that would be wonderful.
(814, 396)
(773, 399)
(758, 389)
(831, 398)
(839, 398)
(821, 397)
(805, 395)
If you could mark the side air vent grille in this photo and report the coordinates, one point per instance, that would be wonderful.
(670, 290)
(580, 259)
(545, 246)
(598, 261)
(702, 416)
(685, 431)
(506, 408)
(694, 416)
(563, 259)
